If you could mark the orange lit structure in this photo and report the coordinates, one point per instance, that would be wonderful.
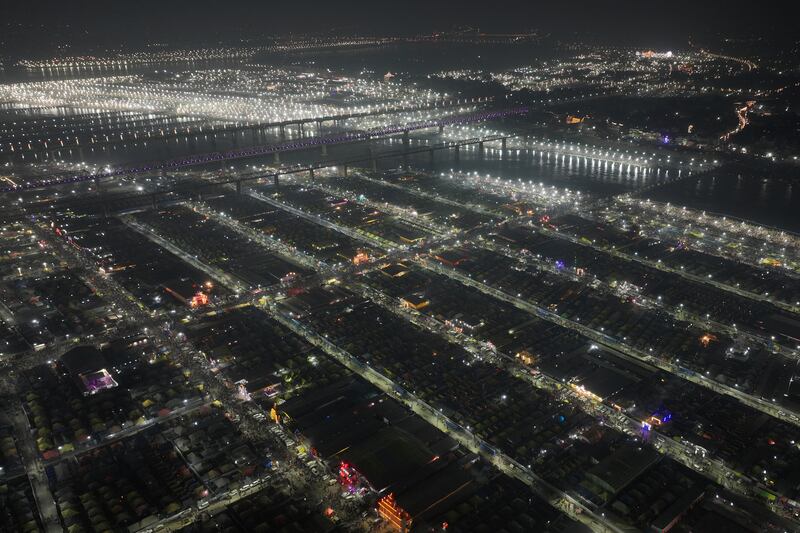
(393, 513)
(526, 357)
(706, 339)
(659, 419)
(189, 293)
(360, 258)
(200, 299)
(415, 302)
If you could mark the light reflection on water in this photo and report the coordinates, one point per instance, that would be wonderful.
(772, 201)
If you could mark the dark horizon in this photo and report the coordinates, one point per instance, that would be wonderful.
(48, 24)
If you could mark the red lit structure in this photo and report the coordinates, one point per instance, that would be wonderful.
(348, 476)
(200, 299)
(188, 292)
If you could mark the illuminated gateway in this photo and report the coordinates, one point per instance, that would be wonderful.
(393, 513)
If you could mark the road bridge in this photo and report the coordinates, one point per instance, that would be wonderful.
(57, 145)
(275, 148)
(181, 190)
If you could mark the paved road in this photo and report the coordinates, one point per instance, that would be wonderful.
(665, 268)
(30, 458)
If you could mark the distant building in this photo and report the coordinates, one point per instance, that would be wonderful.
(650, 54)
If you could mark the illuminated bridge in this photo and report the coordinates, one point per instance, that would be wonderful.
(276, 149)
(181, 190)
(22, 144)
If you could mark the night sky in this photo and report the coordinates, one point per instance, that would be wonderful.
(666, 23)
